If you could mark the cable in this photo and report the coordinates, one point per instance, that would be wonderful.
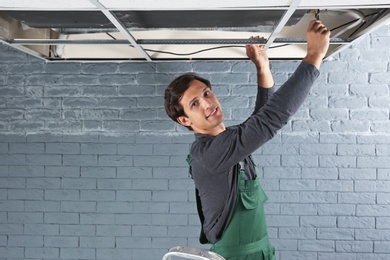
(242, 46)
(359, 20)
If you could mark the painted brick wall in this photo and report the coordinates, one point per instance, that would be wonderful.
(91, 167)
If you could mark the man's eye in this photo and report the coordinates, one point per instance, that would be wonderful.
(206, 93)
(194, 104)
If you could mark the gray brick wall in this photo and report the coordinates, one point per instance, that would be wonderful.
(91, 167)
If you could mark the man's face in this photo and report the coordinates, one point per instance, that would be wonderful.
(204, 113)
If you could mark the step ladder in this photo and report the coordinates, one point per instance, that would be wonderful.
(183, 252)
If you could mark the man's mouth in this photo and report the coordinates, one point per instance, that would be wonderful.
(213, 112)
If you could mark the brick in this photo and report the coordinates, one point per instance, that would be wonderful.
(60, 241)
(62, 194)
(172, 196)
(373, 138)
(155, 207)
(12, 113)
(115, 253)
(78, 206)
(380, 162)
(9, 159)
(63, 148)
(356, 222)
(136, 196)
(335, 234)
(319, 173)
(26, 171)
(21, 217)
(297, 233)
(357, 198)
(316, 245)
(77, 230)
(334, 185)
(135, 172)
(300, 138)
(155, 185)
(152, 79)
(381, 247)
(97, 242)
(77, 253)
(298, 209)
(373, 210)
(42, 206)
(115, 207)
(133, 67)
(43, 159)
(42, 229)
(25, 241)
(151, 161)
(282, 221)
(183, 231)
(77, 183)
(50, 183)
(170, 219)
(383, 198)
(282, 173)
(282, 196)
(62, 171)
(116, 184)
(299, 161)
(12, 252)
(114, 230)
(296, 255)
(348, 102)
(170, 242)
(296, 185)
(317, 221)
(133, 219)
(6, 182)
(337, 161)
(355, 149)
(382, 150)
(98, 148)
(97, 195)
(318, 197)
(42, 252)
(337, 209)
(355, 246)
(80, 160)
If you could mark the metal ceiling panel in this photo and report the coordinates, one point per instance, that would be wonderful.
(62, 19)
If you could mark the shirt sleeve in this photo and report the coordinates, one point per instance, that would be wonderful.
(262, 97)
(235, 143)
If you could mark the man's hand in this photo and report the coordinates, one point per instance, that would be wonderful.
(259, 57)
(317, 36)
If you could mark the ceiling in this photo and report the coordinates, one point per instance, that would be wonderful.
(134, 30)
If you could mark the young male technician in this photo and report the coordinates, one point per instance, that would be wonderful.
(229, 197)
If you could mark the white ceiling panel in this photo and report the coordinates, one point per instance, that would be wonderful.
(152, 30)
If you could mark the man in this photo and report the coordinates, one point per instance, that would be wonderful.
(229, 197)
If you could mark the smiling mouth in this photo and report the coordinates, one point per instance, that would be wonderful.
(212, 112)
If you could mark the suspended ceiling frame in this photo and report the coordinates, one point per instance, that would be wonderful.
(38, 47)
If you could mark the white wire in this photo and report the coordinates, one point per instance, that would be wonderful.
(360, 19)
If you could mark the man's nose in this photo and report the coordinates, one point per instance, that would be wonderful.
(205, 103)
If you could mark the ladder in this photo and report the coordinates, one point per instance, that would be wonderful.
(184, 252)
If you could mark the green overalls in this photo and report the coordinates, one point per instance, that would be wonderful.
(246, 236)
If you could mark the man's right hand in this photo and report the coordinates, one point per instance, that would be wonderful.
(317, 36)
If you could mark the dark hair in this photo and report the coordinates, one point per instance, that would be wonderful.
(175, 91)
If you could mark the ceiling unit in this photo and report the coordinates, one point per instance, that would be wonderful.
(135, 30)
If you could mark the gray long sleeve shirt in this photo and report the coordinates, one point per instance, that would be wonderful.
(215, 160)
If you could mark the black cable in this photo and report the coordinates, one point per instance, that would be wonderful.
(241, 46)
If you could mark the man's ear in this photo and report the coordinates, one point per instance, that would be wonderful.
(183, 120)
